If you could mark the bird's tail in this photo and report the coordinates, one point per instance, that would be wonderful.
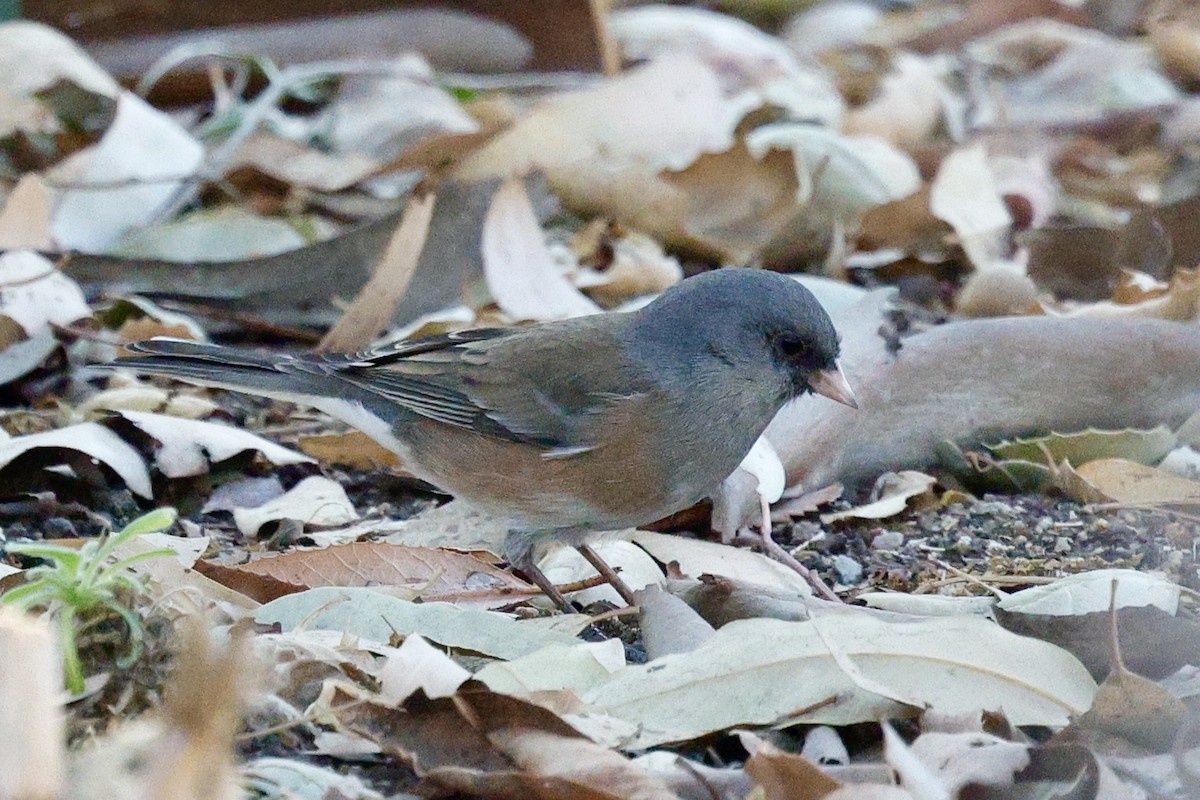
(235, 368)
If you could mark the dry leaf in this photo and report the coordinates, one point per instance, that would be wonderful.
(906, 106)
(297, 165)
(784, 776)
(379, 564)
(91, 440)
(890, 496)
(1136, 709)
(188, 446)
(1129, 482)
(518, 267)
(35, 295)
(766, 672)
(376, 303)
(315, 501)
(351, 449)
(25, 215)
(376, 615)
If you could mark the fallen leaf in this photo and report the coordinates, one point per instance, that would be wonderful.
(890, 496)
(35, 295)
(696, 558)
(351, 449)
(1136, 709)
(91, 440)
(962, 759)
(769, 672)
(375, 615)
(188, 446)
(574, 668)
(315, 501)
(1142, 446)
(375, 306)
(25, 215)
(1129, 482)
(518, 267)
(428, 572)
(782, 775)
(964, 195)
(134, 170)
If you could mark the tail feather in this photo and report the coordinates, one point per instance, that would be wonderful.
(238, 369)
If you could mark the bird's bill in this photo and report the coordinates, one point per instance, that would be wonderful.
(832, 383)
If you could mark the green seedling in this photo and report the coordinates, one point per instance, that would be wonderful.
(84, 587)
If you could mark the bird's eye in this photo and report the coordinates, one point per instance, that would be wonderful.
(791, 346)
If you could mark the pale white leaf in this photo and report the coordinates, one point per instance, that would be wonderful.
(93, 440)
(315, 501)
(187, 446)
(762, 672)
(1091, 592)
(520, 272)
(696, 558)
(35, 295)
(137, 166)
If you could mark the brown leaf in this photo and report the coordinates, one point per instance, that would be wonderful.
(782, 775)
(351, 449)
(377, 300)
(1130, 482)
(1136, 709)
(431, 572)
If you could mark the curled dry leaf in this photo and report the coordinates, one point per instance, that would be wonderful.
(91, 440)
(188, 446)
(781, 775)
(1073, 612)
(964, 195)
(519, 269)
(136, 168)
(906, 106)
(959, 759)
(890, 496)
(315, 501)
(748, 60)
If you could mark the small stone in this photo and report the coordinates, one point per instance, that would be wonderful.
(58, 528)
(1062, 544)
(964, 542)
(1044, 524)
(888, 540)
(849, 571)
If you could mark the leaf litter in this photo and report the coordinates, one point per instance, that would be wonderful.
(993, 204)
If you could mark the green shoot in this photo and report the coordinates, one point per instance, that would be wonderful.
(83, 587)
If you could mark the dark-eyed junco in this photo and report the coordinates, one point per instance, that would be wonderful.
(567, 428)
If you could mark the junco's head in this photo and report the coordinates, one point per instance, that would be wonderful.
(594, 423)
(758, 325)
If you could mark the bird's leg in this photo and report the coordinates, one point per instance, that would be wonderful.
(608, 573)
(518, 549)
(772, 547)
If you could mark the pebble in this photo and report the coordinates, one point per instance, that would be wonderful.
(848, 570)
(888, 540)
(1062, 544)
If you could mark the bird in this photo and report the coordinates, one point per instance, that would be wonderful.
(564, 428)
